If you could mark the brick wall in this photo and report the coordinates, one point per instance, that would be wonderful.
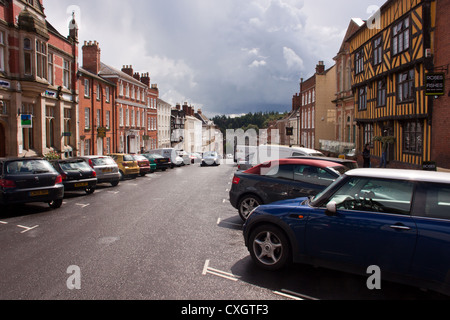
(441, 111)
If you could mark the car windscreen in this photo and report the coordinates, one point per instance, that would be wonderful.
(339, 169)
(128, 158)
(74, 166)
(104, 161)
(210, 154)
(28, 167)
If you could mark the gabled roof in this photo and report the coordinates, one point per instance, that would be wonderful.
(354, 25)
(107, 71)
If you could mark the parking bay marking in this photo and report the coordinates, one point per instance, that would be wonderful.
(82, 205)
(283, 293)
(27, 228)
(207, 269)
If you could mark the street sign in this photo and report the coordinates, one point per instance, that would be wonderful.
(26, 120)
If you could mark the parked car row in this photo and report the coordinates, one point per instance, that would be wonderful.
(34, 180)
(348, 220)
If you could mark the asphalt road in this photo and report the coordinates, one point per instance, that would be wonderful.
(168, 236)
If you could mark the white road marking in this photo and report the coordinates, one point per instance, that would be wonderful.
(2, 222)
(83, 205)
(218, 273)
(27, 228)
(297, 295)
(286, 295)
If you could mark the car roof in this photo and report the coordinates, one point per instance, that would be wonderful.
(93, 157)
(20, 159)
(401, 174)
(337, 160)
(310, 162)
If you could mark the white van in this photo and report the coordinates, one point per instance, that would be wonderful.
(171, 154)
(274, 152)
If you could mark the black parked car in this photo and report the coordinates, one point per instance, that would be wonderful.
(161, 162)
(280, 180)
(76, 175)
(29, 180)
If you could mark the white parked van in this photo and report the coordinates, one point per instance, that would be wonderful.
(274, 152)
(171, 154)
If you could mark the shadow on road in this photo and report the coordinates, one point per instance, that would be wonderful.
(325, 284)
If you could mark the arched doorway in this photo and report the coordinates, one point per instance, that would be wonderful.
(2, 141)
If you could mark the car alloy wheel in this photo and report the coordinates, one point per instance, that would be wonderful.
(269, 247)
(247, 205)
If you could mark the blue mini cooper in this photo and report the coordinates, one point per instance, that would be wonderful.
(398, 220)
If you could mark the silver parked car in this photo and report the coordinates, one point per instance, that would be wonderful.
(105, 167)
(210, 158)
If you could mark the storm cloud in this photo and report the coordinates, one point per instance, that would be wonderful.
(225, 57)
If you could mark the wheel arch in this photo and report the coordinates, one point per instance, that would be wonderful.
(282, 226)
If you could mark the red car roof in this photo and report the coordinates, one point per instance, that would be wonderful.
(309, 162)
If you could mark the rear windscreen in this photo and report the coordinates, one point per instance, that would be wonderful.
(28, 167)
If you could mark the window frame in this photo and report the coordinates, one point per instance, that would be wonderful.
(412, 138)
(362, 98)
(377, 58)
(401, 34)
(382, 92)
(359, 61)
(407, 83)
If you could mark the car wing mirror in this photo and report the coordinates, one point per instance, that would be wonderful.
(331, 208)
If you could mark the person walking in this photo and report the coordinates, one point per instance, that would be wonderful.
(366, 156)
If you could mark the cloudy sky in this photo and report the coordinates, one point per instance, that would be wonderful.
(225, 57)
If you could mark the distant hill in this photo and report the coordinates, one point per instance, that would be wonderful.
(258, 120)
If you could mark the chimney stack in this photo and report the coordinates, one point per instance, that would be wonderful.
(320, 68)
(91, 57)
(145, 79)
(128, 70)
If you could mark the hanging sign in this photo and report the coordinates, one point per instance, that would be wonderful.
(434, 84)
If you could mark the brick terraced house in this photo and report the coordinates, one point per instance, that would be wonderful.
(38, 84)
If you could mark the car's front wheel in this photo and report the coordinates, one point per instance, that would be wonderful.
(55, 204)
(269, 247)
(247, 204)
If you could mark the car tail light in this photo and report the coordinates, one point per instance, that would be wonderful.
(236, 180)
(94, 174)
(91, 163)
(59, 179)
(7, 184)
(64, 176)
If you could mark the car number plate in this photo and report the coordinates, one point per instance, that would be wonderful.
(79, 185)
(109, 170)
(39, 193)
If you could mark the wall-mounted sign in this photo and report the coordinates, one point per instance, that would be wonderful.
(429, 166)
(289, 131)
(101, 132)
(26, 120)
(434, 84)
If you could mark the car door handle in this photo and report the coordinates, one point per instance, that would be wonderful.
(400, 227)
